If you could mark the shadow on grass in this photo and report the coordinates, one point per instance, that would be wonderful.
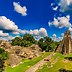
(64, 70)
(68, 58)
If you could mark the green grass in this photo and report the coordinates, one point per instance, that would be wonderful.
(68, 55)
(27, 64)
(58, 65)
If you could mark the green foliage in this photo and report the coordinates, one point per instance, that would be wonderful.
(3, 54)
(17, 41)
(1, 64)
(1, 50)
(29, 37)
(3, 57)
(47, 44)
(26, 41)
(57, 43)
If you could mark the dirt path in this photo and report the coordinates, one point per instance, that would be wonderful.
(39, 64)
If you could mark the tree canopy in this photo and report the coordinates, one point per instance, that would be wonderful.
(47, 44)
(26, 41)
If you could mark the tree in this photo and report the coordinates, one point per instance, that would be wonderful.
(3, 57)
(47, 44)
(29, 37)
(25, 43)
(16, 41)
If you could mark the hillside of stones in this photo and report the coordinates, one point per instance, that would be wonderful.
(17, 53)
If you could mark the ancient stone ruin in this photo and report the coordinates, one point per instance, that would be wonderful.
(65, 46)
(17, 53)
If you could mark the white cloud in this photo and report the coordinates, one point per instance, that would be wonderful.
(42, 32)
(18, 8)
(15, 32)
(6, 38)
(7, 24)
(54, 37)
(34, 32)
(65, 5)
(23, 31)
(62, 34)
(61, 22)
(70, 28)
(31, 32)
(3, 34)
(55, 8)
(62, 6)
(68, 16)
(37, 33)
(59, 39)
(52, 4)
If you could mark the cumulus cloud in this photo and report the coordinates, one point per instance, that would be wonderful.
(59, 39)
(15, 32)
(55, 8)
(3, 34)
(61, 22)
(40, 33)
(63, 5)
(7, 25)
(62, 34)
(7, 38)
(37, 33)
(70, 28)
(18, 8)
(55, 38)
(23, 31)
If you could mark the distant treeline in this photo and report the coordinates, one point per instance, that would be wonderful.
(46, 43)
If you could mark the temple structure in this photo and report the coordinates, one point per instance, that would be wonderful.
(65, 46)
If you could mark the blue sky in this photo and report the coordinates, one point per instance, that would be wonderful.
(37, 17)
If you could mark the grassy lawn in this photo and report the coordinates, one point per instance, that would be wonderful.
(58, 65)
(27, 63)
